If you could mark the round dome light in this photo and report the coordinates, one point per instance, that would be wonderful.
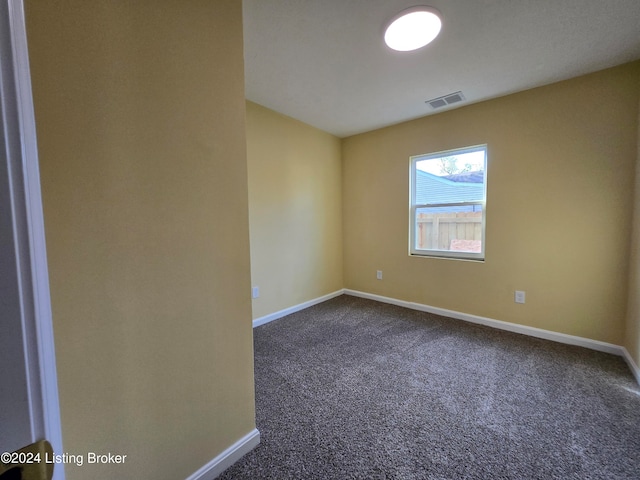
(413, 28)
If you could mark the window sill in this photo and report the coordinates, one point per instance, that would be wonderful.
(448, 257)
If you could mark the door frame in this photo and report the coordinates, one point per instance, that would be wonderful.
(31, 254)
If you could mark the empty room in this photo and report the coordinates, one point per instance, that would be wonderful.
(271, 239)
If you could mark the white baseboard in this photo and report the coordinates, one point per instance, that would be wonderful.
(632, 365)
(227, 458)
(296, 308)
(511, 327)
(490, 322)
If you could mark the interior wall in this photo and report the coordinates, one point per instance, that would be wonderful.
(140, 117)
(559, 206)
(632, 337)
(295, 210)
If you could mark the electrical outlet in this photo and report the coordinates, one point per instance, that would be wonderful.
(255, 292)
(379, 274)
(519, 297)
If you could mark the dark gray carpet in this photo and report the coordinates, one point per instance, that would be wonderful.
(356, 389)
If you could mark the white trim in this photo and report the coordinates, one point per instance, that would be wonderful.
(511, 327)
(413, 206)
(40, 350)
(227, 458)
(296, 308)
(632, 365)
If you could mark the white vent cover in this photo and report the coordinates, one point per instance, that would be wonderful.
(445, 100)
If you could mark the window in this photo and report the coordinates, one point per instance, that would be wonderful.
(447, 204)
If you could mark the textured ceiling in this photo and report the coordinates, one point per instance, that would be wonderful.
(324, 62)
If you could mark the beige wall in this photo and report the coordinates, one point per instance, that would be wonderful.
(140, 115)
(560, 189)
(295, 210)
(632, 337)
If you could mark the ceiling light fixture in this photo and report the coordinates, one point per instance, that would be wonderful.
(413, 28)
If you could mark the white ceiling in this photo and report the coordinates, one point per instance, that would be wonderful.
(324, 61)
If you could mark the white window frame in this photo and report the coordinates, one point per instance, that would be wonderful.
(413, 206)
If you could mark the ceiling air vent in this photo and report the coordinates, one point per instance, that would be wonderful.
(445, 100)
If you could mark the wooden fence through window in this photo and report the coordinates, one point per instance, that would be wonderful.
(438, 230)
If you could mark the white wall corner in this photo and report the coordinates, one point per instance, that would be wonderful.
(227, 458)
